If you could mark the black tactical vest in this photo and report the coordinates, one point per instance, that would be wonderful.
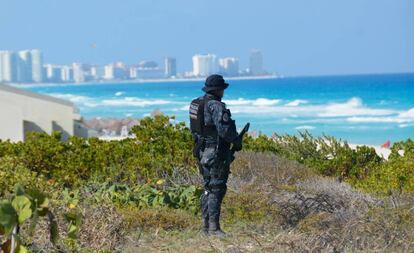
(197, 124)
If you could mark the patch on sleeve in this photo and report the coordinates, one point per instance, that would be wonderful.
(226, 117)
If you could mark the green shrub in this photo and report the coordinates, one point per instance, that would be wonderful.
(164, 146)
(161, 149)
(13, 172)
(151, 195)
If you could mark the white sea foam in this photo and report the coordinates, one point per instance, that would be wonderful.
(297, 102)
(119, 93)
(401, 118)
(133, 101)
(353, 107)
(305, 127)
(405, 125)
(184, 108)
(407, 114)
(254, 102)
(77, 99)
(71, 97)
(127, 101)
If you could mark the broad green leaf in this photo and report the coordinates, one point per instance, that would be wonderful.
(41, 202)
(22, 205)
(72, 231)
(8, 216)
(21, 249)
(74, 220)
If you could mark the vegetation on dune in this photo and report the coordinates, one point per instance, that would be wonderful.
(286, 193)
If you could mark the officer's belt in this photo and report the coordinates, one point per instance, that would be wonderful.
(210, 145)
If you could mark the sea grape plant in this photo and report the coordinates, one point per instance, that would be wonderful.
(20, 208)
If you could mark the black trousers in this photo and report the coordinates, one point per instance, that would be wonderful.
(215, 187)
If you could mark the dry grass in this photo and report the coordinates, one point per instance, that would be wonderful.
(276, 205)
(272, 205)
(101, 229)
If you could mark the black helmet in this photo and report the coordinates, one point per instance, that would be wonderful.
(215, 82)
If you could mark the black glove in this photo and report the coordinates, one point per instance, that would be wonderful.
(238, 144)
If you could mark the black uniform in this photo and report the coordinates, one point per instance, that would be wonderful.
(218, 133)
(216, 156)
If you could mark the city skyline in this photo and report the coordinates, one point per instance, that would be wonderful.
(28, 66)
(298, 37)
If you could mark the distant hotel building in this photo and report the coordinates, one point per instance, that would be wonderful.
(115, 71)
(67, 73)
(229, 66)
(53, 73)
(147, 70)
(7, 63)
(97, 72)
(78, 73)
(204, 65)
(256, 63)
(170, 67)
(37, 65)
(23, 66)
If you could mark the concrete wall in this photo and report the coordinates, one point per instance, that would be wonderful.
(11, 123)
(46, 113)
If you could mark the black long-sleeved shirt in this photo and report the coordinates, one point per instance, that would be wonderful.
(218, 115)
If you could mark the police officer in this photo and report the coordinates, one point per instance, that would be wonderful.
(215, 135)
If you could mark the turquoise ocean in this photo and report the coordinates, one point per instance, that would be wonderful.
(362, 109)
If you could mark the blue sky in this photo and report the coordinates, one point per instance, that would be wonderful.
(297, 37)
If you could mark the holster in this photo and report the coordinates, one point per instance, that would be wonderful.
(198, 147)
(208, 156)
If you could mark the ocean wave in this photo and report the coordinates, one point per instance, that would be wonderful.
(405, 125)
(254, 102)
(352, 107)
(119, 93)
(297, 102)
(70, 97)
(76, 99)
(305, 127)
(133, 101)
(127, 101)
(401, 118)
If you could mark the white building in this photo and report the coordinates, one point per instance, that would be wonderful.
(53, 73)
(78, 73)
(67, 74)
(256, 63)
(97, 72)
(109, 72)
(37, 65)
(146, 73)
(170, 66)
(115, 71)
(7, 60)
(22, 111)
(204, 65)
(229, 66)
(24, 67)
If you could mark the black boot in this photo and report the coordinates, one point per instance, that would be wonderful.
(204, 210)
(215, 230)
(205, 226)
